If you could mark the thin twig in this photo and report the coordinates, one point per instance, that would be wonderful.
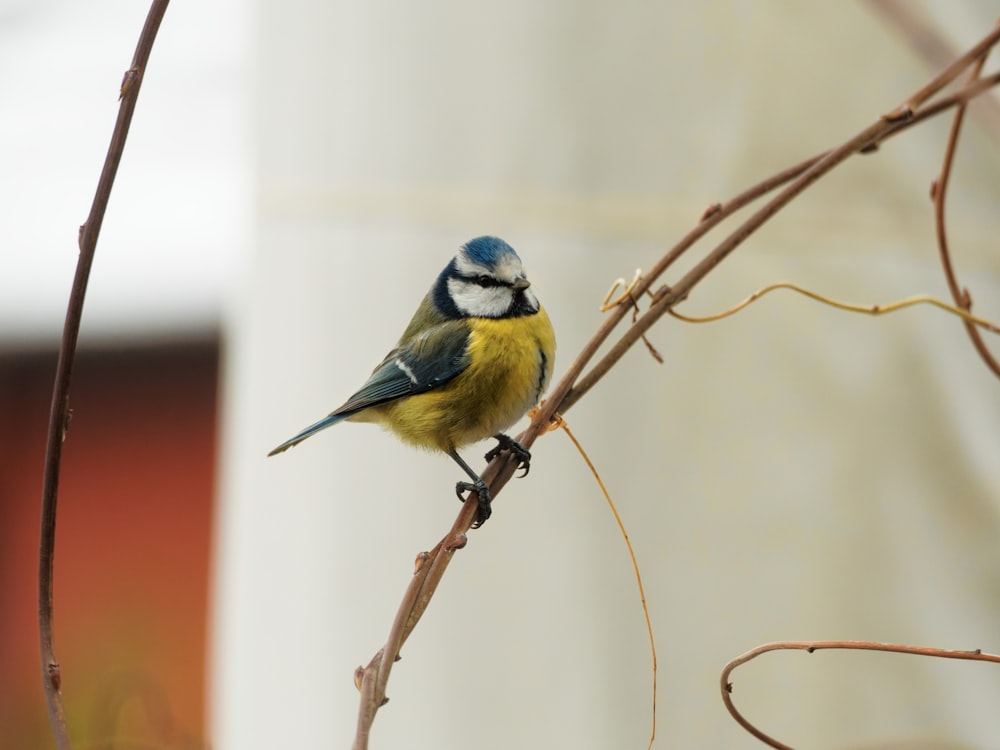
(940, 190)
(726, 684)
(880, 308)
(60, 415)
(635, 569)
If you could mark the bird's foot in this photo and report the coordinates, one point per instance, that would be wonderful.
(509, 444)
(480, 488)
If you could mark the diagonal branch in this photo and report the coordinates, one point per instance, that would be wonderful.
(60, 414)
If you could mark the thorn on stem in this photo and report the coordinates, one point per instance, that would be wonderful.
(934, 189)
(711, 211)
(359, 676)
(128, 80)
(870, 148)
(420, 561)
(902, 113)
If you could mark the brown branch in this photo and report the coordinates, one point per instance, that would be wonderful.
(939, 192)
(60, 414)
(372, 679)
(931, 44)
(727, 686)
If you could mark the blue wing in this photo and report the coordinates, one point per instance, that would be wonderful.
(425, 362)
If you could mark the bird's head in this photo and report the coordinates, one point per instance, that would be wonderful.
(485, 280)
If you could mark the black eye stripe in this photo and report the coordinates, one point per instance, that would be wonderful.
(483, 280)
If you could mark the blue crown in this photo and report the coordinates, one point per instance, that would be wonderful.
(487, 250)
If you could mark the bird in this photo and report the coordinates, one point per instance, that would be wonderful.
(476, 356)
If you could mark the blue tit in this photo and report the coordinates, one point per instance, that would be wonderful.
(476, 356)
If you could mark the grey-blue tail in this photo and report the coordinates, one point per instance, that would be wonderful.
(309, 431)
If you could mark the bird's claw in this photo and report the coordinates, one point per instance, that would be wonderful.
(485, 509)
(509, 444)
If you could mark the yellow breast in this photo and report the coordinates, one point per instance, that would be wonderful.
(510, 363)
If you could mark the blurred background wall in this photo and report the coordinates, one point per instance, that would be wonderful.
(297, 175)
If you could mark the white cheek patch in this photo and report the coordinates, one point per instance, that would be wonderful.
(479, 302)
